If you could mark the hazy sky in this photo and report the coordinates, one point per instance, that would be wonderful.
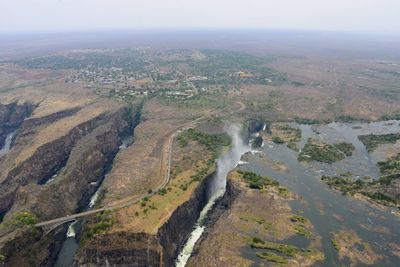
(337, 15)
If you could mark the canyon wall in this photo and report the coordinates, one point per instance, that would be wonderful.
(80, 160)
(142, 249)
(11, 117)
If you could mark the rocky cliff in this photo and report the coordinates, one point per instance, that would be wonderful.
(141, 249)
(11, 117)
(79, 160)
(51, 157)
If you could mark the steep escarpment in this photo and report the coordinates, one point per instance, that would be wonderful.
(77, 162)
(121, 249)
(142, 249)
(27, 247)
(11, 117)
(51, 157)
(221, 205)
(174, 232)
(256, 211)
(30, 124)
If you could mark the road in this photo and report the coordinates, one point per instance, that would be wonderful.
(242, 106)
(166, 156)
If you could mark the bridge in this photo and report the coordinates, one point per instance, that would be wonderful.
(48, 226)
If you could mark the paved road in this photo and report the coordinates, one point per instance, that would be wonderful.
(140, 197)
(125, 204)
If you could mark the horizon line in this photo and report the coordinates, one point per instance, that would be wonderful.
(186, 29)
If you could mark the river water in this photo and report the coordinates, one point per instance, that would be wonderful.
(7, 144)
(70, 246)
(321, 205)
(225, 164)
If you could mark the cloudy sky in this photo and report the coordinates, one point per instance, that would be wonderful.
(382, 16)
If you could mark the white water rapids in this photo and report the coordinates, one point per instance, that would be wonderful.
(93, 199)
(225, 164)
(71, 230)
(7, 144)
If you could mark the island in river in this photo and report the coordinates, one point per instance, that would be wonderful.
(307, 223)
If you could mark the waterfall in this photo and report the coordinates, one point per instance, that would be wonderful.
(94, 198)
(71, 230)
(225, 164)
(52, 178)
(7, 144)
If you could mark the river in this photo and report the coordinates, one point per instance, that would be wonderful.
(7, 144)
(225, 164)
(321, 205)
(71, 243)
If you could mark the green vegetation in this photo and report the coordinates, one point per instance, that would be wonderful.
(301, 230)
(298, 219)
(215, 119)
(347, 118)
(293, 146)
(228, 67)
(291, 134)
(391, 166)
(197, 101)
(129, 60)
(318, 151)
(284, 192)
(281, 253)
(368, 189)
(297, 84)
(300, 225)
(268, 102)
(200, 175)
(372, 141)
(388, 179)
(102, 222)
(390, 117)
(278, 140)
(25, 218)
(379, 197)
(305, 121)
(272, 257)
(346, 148)
(256, 181)
(335, 244)
(213, 142)
(22, 219)
(344, 185)
(288, 250)
(162, 191)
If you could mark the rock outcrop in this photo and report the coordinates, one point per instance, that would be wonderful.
(51, 157)
(142, 249)
(80, 160)
(11, 117)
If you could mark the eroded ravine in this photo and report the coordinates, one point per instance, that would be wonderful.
(217, 189)
(70, 245)
(75, 164)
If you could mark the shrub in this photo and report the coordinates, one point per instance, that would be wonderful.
(372, 141)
